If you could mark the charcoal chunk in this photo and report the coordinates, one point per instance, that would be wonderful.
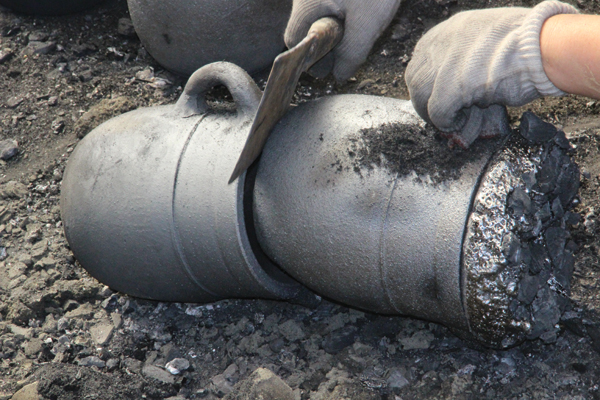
(556, 239)
(519, 203)
(572, 218)
(567, 184)
(564, 270)
(528, 288)
(522, 314)
(544, 213)
(539, 258)
(546, 312)
(561, 141)
(548, 175)
(529, 179)
(511, 248)
(573, 322)
(338, 340)
(557, 209)
(593, 332)
(525, 255)
(535, 130)
(571, 246)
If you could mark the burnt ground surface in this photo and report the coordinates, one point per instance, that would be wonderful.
(63, 335)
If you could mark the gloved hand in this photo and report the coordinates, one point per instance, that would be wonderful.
(364, 21)
(466, 69)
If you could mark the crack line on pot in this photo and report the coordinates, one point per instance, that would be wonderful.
(176, 239)
(382, 247)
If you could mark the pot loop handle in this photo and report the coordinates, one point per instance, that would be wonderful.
(242, 87)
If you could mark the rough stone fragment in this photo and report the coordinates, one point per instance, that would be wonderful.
(507, 365)
(101, 112)
(13, 190)
(350, 390)
(396, 379)
(38, 48)
(261, 384)
(291, 330)
(125, 28)
(38, 36)
(401, 31)
(102, 333)
(132, 365)
(338, 340)
(277, 345)
(16, 269)
(420, 340)
(169, 352)
(549, 337)
(91, 361)
(46, 262)
(221, 384)
(28, 392)
(19, 313)
(176, 365)
(5, 55)
(84, 311)
(32, 347)
(14, 102)
(38, 251)
(112, 364)
(159, 374)
(83, 49)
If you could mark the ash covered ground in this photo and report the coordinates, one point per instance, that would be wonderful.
(63, 335)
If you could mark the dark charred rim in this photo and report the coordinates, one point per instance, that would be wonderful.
(270, 268)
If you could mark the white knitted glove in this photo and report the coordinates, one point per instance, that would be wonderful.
(466, 69)
(364, 21)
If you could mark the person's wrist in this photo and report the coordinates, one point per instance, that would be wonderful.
(551, 49)
(570, 57)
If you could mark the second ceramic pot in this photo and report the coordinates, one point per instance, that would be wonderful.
(184, 35)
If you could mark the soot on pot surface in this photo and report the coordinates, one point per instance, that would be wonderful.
(406, 148)
(518, 254)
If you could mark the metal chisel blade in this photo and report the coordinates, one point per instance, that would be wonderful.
(323, 36)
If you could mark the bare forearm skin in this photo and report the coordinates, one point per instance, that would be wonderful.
(570, 47)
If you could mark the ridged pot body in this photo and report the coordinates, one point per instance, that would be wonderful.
(147, 209)
(184, 35)
(49, 7)
(365, 237)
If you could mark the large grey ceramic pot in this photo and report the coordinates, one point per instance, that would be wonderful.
(184, 35)
(354, 197)
(352, 200)
(146, 205)
(49, 7)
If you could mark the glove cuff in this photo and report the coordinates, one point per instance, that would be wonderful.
(539, 84)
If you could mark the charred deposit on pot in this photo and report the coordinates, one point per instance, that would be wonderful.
(518, 254)
(406, 148)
